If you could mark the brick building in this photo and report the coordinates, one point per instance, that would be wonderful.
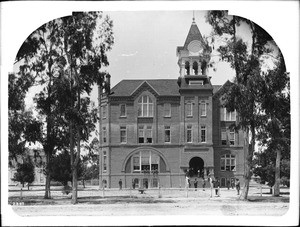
(154, 132)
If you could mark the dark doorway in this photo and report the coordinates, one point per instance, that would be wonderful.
(196, 167)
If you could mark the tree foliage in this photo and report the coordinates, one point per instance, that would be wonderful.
(60, 168)
(64, 57)
(247, 95)
(25, 172)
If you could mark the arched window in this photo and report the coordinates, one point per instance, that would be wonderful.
(195, 68)
(187, 68)
(145, 160)
(145, 106)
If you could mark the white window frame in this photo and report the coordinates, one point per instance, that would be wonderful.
(232, 140)
(104, 134)
(167, 128)
(148, 104)
(123, 129)
(203, 104)
(104, 161)
(145, 129)
(229, 116)
(150, 161)
(189, 128)
(203, 128)
(223, 133)
(196, 82)
(228, 158)
(125, 110)
(189, 108)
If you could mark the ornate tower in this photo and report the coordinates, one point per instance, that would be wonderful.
(196, 93)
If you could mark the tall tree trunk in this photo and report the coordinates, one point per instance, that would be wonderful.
(277, 174)
(247, 164)
(47, 184)
(249, 157)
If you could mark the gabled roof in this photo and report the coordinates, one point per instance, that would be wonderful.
(163, 87)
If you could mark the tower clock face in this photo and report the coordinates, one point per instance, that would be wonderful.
(195, 46)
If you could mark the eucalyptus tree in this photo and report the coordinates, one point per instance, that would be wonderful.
(40, 59)
(64, 58)
(87, 36)
(275, 133)
(245, 94)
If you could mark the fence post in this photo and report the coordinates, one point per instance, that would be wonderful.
(130, 191)
(21, 194)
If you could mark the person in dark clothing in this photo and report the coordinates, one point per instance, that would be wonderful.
(237, 186)
(195, 184)
(216, 184)
(120, 184)
(203, 184)
(228, 184)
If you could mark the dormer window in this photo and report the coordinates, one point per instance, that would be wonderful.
(145, 106)
(196, 82)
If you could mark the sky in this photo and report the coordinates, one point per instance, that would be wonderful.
(146, 42)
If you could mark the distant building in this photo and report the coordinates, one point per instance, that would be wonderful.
(155, 132)
(37, 157)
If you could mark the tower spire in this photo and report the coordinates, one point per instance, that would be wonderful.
(193, 17)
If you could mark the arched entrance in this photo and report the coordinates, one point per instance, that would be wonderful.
(196, 167)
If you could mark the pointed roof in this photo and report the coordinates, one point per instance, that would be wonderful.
(194, 34)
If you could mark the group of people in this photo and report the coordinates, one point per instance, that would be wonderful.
(214, 184)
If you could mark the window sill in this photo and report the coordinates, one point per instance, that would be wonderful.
(123, 116)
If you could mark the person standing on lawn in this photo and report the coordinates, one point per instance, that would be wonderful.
(228, 184)
(237, 186)
(210, 180)
(195, 183)
(217, 187)
(203, 184)
(120, 184)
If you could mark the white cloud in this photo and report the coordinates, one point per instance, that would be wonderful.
(128, 55)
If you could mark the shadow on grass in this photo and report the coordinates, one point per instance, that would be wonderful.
(271, 199)
(63, 200)
(120, 199)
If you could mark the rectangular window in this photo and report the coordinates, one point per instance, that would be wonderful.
(104, 111)
(145, 134)
(222, 163)
(104, 161)
(149, 134)
(189, 137)
(104, 133)
(141, 134)
(167, 110)
(123, 134)
(189, 109)
(227, 116)
(145, 160)
(223, 136)
(231, 137)
(123, 110)
(203, 134)
(228, 162)
(136, 163)
(202, 109)
(167, 134)
(196, 82)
